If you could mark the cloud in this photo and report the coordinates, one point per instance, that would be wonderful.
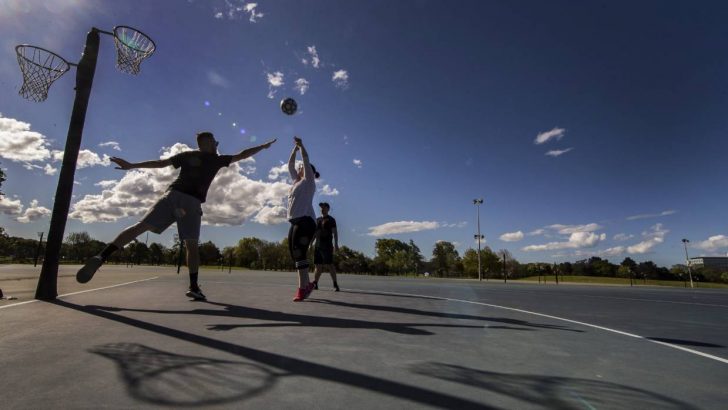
(113, 144)
(34, 212)
(537, 232)
(49, 170)
(653, 237)
(622, 237)
(301, 86)
(646, 216)
(512, 236)
(275, 81)
(461, 224)
(313, 57)
(713, 243)
(281, 171)
(108, 183)
(569, 229)
(232, 198)
(391, 228)
(557, 152)
(216, 79)
(341, 79)
(87, 159)
(10, 206)
(358, 163)
(326, 190)
(235, 9)
(19, 144)
(543, 137)
(576, 240)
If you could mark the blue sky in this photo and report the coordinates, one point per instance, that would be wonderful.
(437, 103)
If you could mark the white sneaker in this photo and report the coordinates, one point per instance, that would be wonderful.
(87, 272)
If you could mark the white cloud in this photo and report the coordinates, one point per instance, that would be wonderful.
(232, 198)
(235, 9)
(341, 79)
(275, 81)
(87, 159)
(218, 80)
(461, 224)
(301, 86)
(653, 237)
(34, 212)
(543, 137)
(622, 237)
(576, 240)
(313, 56)
(713, 243)
(112, 144)
(49, 170)
(569, 229)
(557, 152)
(10, 206)
(537, 232)
(326, 190)
(358, 163)
(218, 15)
(19, 144)
(107, 183)
(645, 216)
(512, 236)
(391, 228)
(250, 9)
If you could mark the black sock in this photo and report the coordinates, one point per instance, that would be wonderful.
(193, 280)
(108, 250)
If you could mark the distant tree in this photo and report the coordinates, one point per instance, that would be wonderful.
(77, 243)
(156, 253)
(351, 261)
(2, 179)
(445, 259)
(209, 253)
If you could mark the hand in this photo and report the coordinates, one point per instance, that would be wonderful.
(298, 141)
(269, 143)
(122, 164)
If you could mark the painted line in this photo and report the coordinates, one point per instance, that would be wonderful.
(82, 291)
(685, 349)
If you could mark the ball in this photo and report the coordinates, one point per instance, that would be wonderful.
(289, 106)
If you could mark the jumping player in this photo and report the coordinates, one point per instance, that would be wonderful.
(182, 203)
(301, 216)
(323, 256)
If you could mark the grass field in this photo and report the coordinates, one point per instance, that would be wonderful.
(620, 281)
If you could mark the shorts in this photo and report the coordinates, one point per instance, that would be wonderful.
(300, 236)
(178, 207)
(323, 255)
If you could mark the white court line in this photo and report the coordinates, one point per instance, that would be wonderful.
(685, 349)
(81, 291)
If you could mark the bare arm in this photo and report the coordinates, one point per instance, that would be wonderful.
(252, 151)
(336, 238)
(292, 164)
(125, 165)
(307, 171)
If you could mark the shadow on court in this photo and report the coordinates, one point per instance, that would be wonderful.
(552, 392)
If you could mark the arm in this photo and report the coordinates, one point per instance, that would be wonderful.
(125, 165)
(292, 164)
(252, 151)
(336, 239)
(307, 171)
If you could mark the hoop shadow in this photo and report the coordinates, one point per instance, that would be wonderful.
(163, 378)
(552, 392)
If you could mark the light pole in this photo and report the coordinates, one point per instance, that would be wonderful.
(479, 237)
(687, 261)
(38, 249)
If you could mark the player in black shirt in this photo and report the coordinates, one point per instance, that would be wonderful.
(182, 203)
(327, 241)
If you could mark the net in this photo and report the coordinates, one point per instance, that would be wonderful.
(132, 47)
(40, 69)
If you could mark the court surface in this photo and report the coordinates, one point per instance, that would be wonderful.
(131, 339)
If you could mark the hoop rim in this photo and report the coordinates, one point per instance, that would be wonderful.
(154, 45)
(28, 46)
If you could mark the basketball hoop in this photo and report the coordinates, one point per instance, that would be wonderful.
(40, 69)
(132, 47)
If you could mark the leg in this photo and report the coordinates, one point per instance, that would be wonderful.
(128, 234)
(193, 259)
(332, 271)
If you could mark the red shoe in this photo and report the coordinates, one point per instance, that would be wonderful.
(300, 295)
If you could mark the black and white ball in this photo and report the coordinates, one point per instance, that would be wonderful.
(289, 106)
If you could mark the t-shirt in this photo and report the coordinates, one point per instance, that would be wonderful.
(325, 226)
(300, 199)
(198, 170)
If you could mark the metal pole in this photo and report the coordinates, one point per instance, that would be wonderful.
(505, 273)
(687, 261)
(37, 250)
(48, 282)
(477, 203)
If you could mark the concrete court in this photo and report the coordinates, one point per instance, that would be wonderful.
(382, 342)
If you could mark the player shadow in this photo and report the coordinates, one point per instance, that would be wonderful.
(169, 379)
(282, 319)
(551, 391)
(684, 342)
(293, 366)
(394, 295)
(525, 325)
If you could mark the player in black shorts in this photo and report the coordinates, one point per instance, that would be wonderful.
(327, 242)
(182, 203)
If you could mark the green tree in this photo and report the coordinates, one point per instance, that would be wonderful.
(351, 261)
(445, 259)
(77, 243)
(209, 253)
(156, 253)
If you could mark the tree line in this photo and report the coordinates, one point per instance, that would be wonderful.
(392, 257)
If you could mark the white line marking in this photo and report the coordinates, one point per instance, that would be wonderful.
(82, 291)
(685, 349)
